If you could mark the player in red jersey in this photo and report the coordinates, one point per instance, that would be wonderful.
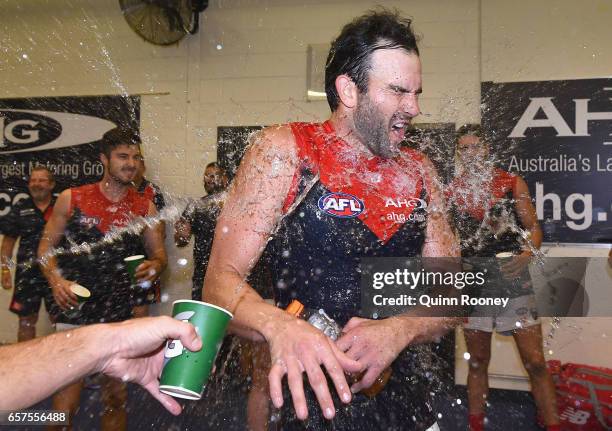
(88, 223)
(493, 213)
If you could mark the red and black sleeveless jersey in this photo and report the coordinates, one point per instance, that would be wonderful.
(100, 267)
(342, 207)
(484, 214)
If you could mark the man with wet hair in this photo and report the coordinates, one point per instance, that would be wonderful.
(26, 220)
(316, 195)
(90, 223)
(199, 220)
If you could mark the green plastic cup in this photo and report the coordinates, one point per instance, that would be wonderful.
(82, 294)
(185, 372)
(131, 263)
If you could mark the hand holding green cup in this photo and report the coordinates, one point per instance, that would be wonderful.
(82, 294)
(185, 372)
(131, 263)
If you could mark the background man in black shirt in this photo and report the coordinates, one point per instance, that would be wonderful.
(26, 221)
(199, 219)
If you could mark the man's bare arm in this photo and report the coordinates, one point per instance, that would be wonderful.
(52, 235)
(132, 350)
(252, 209)
(157, 259)
(6, 255)
(249, 217)
(527, 213)
(182, 232)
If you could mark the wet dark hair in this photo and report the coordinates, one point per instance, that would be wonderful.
(351, 51)
(116, 137)
(212, 165)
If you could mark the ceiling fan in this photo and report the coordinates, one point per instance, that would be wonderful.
(163, 22)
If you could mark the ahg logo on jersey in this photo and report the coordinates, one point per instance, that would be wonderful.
(405, 203)
(408, 209)
(342, 205)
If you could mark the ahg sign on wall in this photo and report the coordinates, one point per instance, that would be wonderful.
(62, 133)
(558, 136)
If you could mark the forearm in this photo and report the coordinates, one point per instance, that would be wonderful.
(34, 370)
(161, 258)
(48, 262)
(253, 317)
(416, 329)
(182, 233)
(535, 238)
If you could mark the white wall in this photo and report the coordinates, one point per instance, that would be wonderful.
(85, 47)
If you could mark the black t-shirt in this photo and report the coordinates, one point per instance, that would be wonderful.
(202, 215)
(25, 220)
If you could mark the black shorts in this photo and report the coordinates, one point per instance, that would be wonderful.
(31, 288)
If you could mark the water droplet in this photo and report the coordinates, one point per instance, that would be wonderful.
(467, 356)
(182, 261)
(219, 47)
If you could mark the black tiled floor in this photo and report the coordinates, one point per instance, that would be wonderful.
(509, 410)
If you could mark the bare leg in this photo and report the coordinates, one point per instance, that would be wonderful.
(27, 327)
(67, 400)
(529, 343)
(479, 348)
(114, 398)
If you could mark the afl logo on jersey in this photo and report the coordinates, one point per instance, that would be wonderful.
(89, 221)
(342, 205)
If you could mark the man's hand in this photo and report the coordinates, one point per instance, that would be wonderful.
(64, 297)
(516, 266)
(182, 232)
(7, 280)
(374, 344)
(149, 270)
(297, 347)
(138, 353)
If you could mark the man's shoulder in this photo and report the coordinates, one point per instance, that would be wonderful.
(278, 134)
(84, 188)
(273, 144)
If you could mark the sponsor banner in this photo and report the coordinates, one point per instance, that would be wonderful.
(62, 133)
(505, 287)
(557, 135)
